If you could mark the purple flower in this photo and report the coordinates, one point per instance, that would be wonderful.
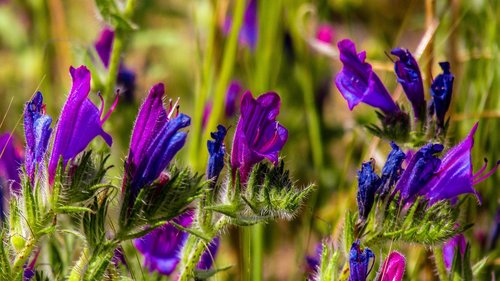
(10, 162)
(409, 77)
(313, 262)
(358, 83)
(161, 247)
(29, 268)
(325, 33)
(441, 91)
(421, 168)
(233, 94)
(126, 77)
(155, 139)
(249, 30)
(368, 183)
(37, 132)
(208, 257)
(392, 169)
(79, 123)
(258, 135)
(359, 262)
(393, 268)
(457, 242)
(454, 176)
(217, 151)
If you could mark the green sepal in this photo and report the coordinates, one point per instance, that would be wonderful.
(205, 274)
(192, 231)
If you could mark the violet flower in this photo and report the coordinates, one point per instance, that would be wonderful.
(37, 132)
(155, 139)
(441, 91)
(368, 183)
(126, 77)
(409, 77)
(250, 27)
(359, 262)
(208, 257)
(79, 123)
(29, 267)
(10, 163)
(161, 247)
(393, 268)
(392, 169)
(358, 83)
(217, 151)
(313, 262)
(455, 243)
(258, 135)
(233, 94)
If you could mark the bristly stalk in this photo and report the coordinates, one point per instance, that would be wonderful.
(439, 260)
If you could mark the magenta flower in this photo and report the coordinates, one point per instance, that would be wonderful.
(250, 28)
(393, 268)
(325, 33)
(155, 139)
(37, 132)
(258, 135)
(358, 83)
(409, 77)
(79, 123)
(457, 242)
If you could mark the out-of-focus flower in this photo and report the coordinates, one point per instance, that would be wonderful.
(161, 247)
(79, 123)
(325, 33)
(441, 91)
(10, 162)
(258, 135)
(393, 268)
(249, 31)
(37, 132)
(155, 139)
(126, 77)
(358, 83)
(29, 268)
(392, 169)
(368, 183)
(313, 262)
(217, 151)
(359, 262)
(234, 91)
(208, 257)
(409, 77)
(451, 246)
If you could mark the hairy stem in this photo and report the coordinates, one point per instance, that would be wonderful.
(440, 266)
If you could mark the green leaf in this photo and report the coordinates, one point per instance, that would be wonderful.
(348, 231)
(205, 274)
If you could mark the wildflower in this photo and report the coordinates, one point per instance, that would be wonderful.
(313, 262)
(258, 135)
(441, 91)
(454, 176)
(79, 123)
(359, 261)
(393, 268)
(392, 169)
(155, 139)
(217, 151)
(29, 268)
(358, 83)
(409, 77)
(208, 257)
(368, 183)
(126, 77)
(457, 242)
(37, 132)
(233, 94)
(249, 30)
(10, 162)
(161, 247)
(325, 33)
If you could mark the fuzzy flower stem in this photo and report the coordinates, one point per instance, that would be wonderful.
(22, 257)
(439, 260)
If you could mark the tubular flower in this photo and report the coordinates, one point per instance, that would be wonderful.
(37, 132)
(359, 262)
(393, 268)
(126, 77)
(250, 28)
(454, 176)
(155, 139)
(217, 151)
(392, 169)
(358, 83)
(457, 242)
(441, 91)
(161, 247)
(258, 135)
(420, 169)
(79, 123)
(368, 183)
(409, 77)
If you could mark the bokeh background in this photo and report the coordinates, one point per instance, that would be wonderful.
(182, 44)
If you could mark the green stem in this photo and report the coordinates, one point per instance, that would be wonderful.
(439, 260)
(23, 256)
(257, 253)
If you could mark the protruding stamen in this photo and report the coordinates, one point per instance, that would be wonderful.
(487, 175)
(102, 103)
(112, 108)
(478, 173)
(171, 109)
